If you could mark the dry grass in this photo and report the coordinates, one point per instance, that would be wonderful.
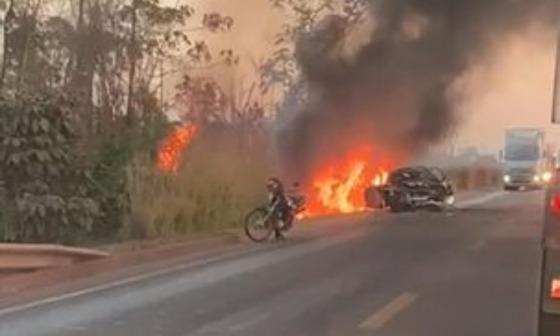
(469, 178)
(221, 178)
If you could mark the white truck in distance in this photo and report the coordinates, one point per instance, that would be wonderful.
(524, 161)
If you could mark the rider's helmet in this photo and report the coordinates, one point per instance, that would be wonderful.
(273, 184)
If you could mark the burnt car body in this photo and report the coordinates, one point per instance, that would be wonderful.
(412, 188)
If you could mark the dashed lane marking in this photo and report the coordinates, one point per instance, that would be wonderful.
(480, 200)
(383, 316)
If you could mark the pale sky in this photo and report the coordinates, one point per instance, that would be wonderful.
(251, 38)
(514, 89)
(253, 31)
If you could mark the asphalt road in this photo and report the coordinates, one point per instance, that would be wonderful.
(473, 272)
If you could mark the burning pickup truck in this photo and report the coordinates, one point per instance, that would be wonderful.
(412, 188)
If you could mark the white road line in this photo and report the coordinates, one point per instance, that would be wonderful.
(480, 200)
(260, 261)
(383, 316)
(124, 282)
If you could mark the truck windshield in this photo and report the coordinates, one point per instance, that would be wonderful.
(522, 152)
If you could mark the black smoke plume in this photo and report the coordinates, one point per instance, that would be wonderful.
(395, 90)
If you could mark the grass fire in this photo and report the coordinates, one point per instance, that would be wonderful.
(173, 146)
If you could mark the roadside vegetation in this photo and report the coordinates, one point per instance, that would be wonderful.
(476, 177)
(219, 180)
(86, 91)
(83, 110)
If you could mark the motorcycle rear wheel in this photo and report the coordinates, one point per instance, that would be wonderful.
(257, 226)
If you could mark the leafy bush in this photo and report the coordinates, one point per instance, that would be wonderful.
(47, 194)
(112, 158)
(55, 187)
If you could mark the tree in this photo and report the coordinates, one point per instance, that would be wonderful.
(114, 48)
(107, 58)
(302, 17)
(6, 31)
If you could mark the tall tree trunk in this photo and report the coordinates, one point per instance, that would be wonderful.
(85, 62)
(78, 81)
(77, 55)
(6, 38)
(30, 20)
(80, 22)
(130, 115)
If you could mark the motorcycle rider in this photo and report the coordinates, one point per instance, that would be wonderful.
(277, 195)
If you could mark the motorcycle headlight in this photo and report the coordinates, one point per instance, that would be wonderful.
(507, 178)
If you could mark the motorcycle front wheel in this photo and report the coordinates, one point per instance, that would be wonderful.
(258, 226)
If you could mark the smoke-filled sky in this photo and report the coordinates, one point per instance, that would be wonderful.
(508, 85)
(513, 88)
(401, 91)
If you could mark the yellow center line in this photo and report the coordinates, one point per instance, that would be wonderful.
(383, 316)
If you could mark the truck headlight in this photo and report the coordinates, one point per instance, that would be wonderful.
(546, 176)
(507, 178)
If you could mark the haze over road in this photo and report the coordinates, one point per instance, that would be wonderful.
(472, 272)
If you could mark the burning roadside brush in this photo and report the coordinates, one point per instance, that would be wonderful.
(173, 146)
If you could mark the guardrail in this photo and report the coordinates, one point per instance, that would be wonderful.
(16, 258)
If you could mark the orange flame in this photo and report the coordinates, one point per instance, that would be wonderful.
(338, 186)
(173, 146)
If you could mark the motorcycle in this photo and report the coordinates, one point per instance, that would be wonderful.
(263, 221)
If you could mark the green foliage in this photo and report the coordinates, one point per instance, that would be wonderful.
(111, 165)
(46, 190)
(73, 173)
